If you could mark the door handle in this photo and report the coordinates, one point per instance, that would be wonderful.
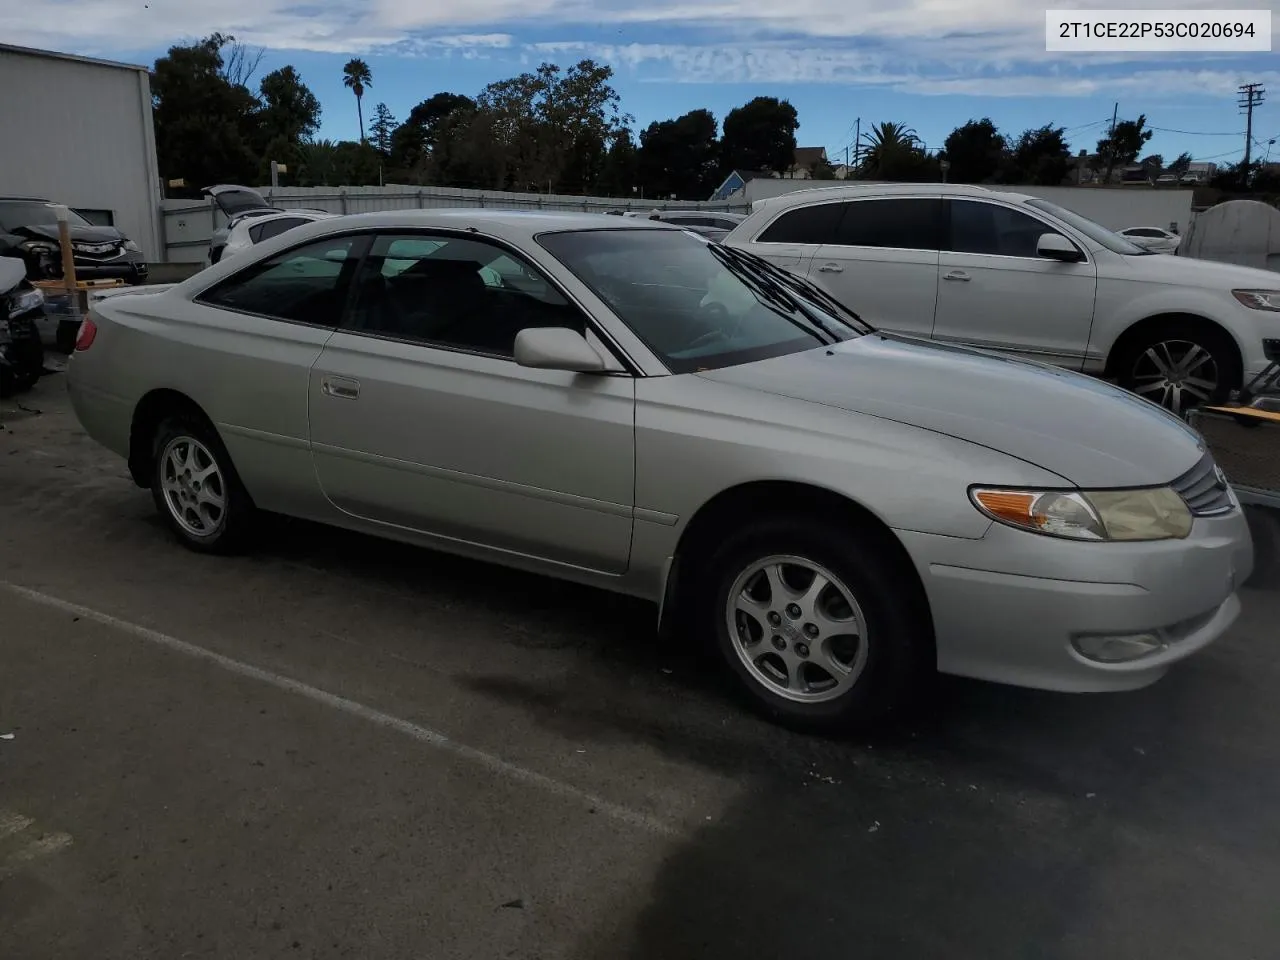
(831, 268)
(340, 388)
(957, 275)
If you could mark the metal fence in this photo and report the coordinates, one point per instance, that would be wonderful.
(189, 224)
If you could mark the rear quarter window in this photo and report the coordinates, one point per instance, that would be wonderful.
(814, 224)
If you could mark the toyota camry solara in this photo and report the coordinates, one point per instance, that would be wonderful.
(621, 403)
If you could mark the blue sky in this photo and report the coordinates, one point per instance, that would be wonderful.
(931, 64)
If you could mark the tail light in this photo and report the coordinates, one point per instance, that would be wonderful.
(88, 332)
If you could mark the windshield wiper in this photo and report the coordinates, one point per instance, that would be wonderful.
(786, 279)
(770, 290)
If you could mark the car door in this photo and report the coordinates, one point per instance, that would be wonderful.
(996, 291)
(883, 261)
(422, 419)
(792, 238)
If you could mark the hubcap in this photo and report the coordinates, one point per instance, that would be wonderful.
(797, 628)
(1177, 374)
(193, 487)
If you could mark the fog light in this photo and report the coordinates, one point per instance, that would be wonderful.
(1119, 648)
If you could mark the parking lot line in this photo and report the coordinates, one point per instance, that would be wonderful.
(424, 735)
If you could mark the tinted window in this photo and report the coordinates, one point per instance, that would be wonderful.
(455, 292)
(273, 228)
(306, 285)
(906, 224)
(1142, 232)
(993, 230)
(813, 224)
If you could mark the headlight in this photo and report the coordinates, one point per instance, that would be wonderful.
(132, 247)
(22, 302)
(1259, 299)
(1149, 514)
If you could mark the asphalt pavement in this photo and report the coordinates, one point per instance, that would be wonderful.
(340, 747)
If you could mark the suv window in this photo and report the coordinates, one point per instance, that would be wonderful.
(303, 285)
(814, 224)
(273, 228)
(454, 292)
(988, 228)
(909, 223)
(1142, 232)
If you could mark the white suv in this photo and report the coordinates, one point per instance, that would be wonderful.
(1020, 275)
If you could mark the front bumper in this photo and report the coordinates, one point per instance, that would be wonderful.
(1007, 607)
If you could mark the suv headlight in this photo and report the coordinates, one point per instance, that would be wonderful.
(1259, 299)
(132, 247)
(27, 300)
(1147, 514)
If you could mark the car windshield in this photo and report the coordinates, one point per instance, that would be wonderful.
(1094, 231)
(698, 305)
(34, 213)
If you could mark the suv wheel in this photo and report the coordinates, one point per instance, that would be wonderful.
(822, 629)
(1181, 365)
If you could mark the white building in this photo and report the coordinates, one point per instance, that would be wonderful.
(78, 131)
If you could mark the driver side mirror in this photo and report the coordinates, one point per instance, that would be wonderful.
(557, 348)
(1054, 246)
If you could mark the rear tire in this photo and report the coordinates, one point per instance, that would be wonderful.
(196, 489)
(810, 656)
(1180, 365)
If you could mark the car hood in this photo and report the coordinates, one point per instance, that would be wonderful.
(1087, 432)
(1214, 274)
(49, 231)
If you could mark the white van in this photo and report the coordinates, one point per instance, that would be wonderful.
(1021, 275)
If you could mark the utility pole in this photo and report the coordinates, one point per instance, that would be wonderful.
(857, 140)
(1250, 96)
(1115, 111)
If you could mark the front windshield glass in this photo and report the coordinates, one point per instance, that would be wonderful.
(1094, 231)
(696, 305)
(33, 213)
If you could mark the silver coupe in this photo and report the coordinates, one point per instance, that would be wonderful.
(621, 403)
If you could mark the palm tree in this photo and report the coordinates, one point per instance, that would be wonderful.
(888, 138)
(357, 76)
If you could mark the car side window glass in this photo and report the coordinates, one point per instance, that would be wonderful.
(274, 228)
(906, 224)
(990, 229)
(304, 285)
(815, 224)
(454, 292)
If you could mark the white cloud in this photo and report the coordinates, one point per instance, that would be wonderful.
(994, 48)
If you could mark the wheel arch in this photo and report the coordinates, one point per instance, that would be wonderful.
(1140, 328)
(150, 411)
(723, 513)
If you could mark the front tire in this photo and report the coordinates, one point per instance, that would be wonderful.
(1181, 365)
(823, 629)
(196, 489)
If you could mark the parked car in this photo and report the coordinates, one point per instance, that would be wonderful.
(29, 230)
(250, 219)
(623, 404)
(709, 223)
(1154, 239)
(1023, 276)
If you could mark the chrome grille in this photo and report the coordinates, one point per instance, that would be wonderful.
(1205, 489)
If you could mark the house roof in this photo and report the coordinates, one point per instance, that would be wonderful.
(808, 156)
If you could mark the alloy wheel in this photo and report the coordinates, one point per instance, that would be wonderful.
(1176, 374)
(797, 629)
(193, 487)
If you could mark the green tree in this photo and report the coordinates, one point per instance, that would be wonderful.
(621, 167)
(823, 170)
(760, 135)
(357, 77)
(317, 164)
(413, 141)
(894, 152)
(1180, 165)
(289, 111)
(356, 164)
(1122, 145)
(976, 151)
(1040, 156)
(1152, 165)
(204, 124)
(680, 156)
(384, 123)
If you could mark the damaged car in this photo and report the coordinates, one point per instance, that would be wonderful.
(29, 231)
(250, 219)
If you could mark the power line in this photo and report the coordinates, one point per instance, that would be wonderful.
(1198, 133)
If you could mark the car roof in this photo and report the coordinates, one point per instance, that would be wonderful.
(515, 223)
(815, 194)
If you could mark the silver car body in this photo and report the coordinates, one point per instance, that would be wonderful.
(596, 478)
